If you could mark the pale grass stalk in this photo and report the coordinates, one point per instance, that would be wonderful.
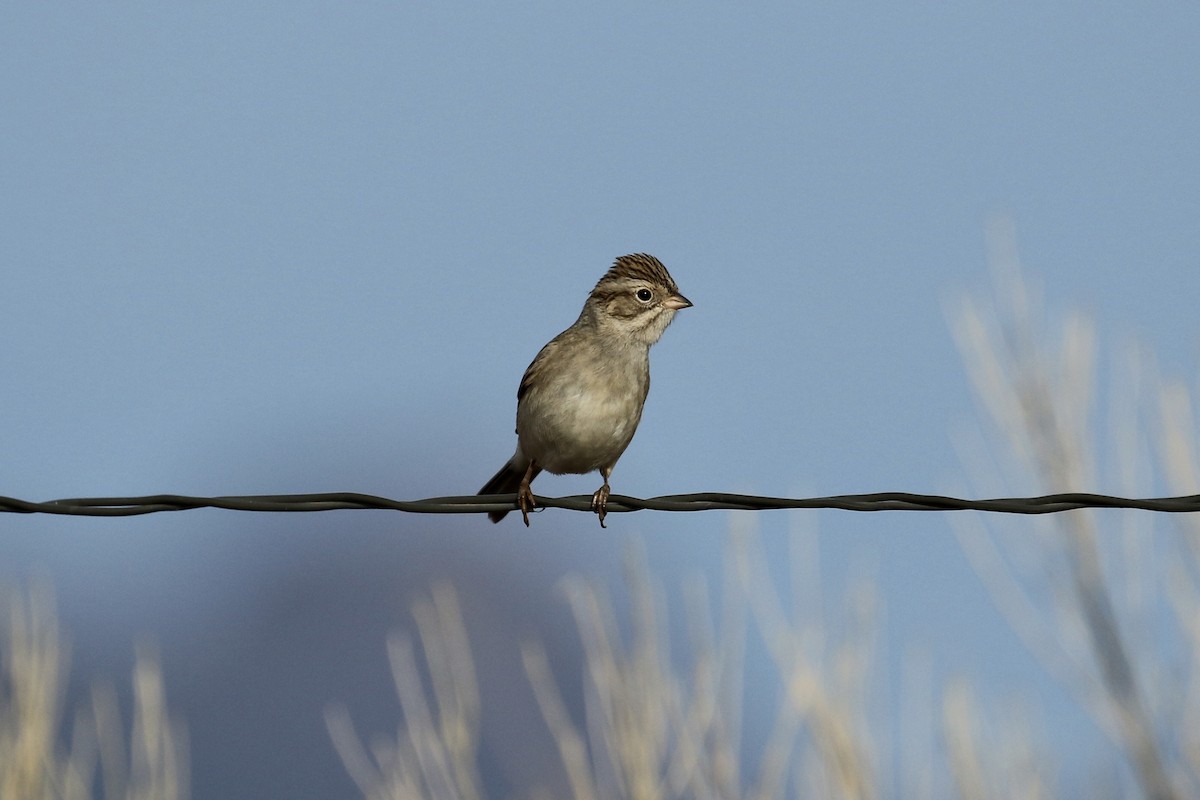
(1182, 469)
(713, 708)
(829, 703)
(32, 682)
(434, 755)
(156, 767)
(572, 748)
(959, 721)
(1185, 602)
(455, 689)
(1076, 597)
(919, 743)
(1027, 616)
(633, 697)
(728, 644)
(32, 678)
(988, 764)
(651, 729)
(654, 732)
(1177, 444)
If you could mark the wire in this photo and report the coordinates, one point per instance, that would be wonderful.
(704, 501)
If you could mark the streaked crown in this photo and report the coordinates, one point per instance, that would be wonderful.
(638, 267)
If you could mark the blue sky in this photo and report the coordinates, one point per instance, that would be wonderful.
(311, 247)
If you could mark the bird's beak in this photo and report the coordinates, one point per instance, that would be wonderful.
(676, 302)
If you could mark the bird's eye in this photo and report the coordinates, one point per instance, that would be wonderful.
(644, 295)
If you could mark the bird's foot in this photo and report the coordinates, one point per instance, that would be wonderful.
(525, 501)
(599, 501)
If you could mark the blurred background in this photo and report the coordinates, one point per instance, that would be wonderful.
(306, 247)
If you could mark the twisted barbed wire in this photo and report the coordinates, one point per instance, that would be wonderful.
(617, 503)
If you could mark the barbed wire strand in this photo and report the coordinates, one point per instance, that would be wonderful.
(617, 503)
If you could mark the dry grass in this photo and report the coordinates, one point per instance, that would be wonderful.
(1092, 595)
(649, 731)
(434, 753)
(34, 764)
(655, 725)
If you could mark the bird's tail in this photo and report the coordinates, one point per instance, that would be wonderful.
(507, 481)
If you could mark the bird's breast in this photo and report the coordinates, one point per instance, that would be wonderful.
(581, 422)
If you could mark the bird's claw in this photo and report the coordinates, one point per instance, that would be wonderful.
(525, 502)
(599, 501)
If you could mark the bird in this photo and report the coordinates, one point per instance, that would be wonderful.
(580, 400)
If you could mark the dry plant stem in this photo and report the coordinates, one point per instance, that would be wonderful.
(1180, 457)
(652, 732)
(32, 766)
(159, 766)
(434, 757)
(31, 683)
(985, 766)
(834, 723)
(1117, 670)
(1040, 400)
(456, 694)
(1177, 439)
(1060, 460)
(571, 746)
(958, 719)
